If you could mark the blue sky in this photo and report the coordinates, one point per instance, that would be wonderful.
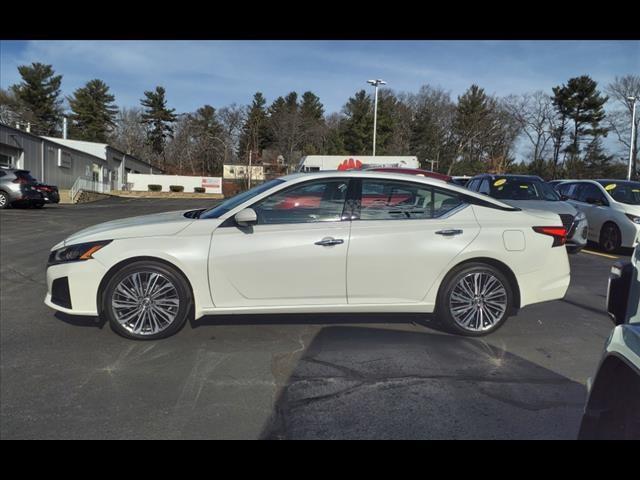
(195, 73)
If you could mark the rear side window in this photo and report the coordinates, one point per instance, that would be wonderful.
(484, 187)
(394, 200)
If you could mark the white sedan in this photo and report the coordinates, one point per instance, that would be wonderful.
(325, 242)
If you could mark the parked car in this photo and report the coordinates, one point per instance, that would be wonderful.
(612, 208)
(612, 409)
(17, 187)
(354, 241)
(413, 171)
(531, 192)
(49, 192)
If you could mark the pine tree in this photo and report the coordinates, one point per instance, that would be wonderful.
(255, 131)
(93, 112)
(580, 104)
(357, 127)
(39, 94)
(158, 119)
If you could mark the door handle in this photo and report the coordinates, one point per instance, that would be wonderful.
(449, 233)
(328, 241)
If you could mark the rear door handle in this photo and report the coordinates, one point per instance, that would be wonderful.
(328, 241)
(449, 233)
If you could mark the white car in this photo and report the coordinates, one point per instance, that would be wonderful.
(354, 241)
(612, 208)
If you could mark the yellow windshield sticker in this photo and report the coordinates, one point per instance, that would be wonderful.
(524, 186)
(502, 181)
(635, 190)
(611, 186)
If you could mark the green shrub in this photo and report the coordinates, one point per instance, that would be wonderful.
(176, 188)
(199, 189)
(155, 188)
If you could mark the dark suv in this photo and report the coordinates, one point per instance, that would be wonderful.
(18, 187)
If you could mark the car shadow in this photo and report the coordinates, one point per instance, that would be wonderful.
(354, 382)
(422, 319)
(81, 320)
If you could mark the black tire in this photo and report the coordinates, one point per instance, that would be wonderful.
(573, 249)
(4, 200)
(451, 281)
(38, 205)
(145, 267)
(610, 237)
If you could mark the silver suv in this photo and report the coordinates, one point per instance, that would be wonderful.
(18, 187)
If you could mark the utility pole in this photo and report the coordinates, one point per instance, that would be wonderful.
(375, 83)
(633, 136)
(249, 172)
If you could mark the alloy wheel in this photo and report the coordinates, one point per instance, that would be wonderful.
(478, 301)
(145, 303)
(610, 238)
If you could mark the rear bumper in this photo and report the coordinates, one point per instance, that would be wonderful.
(550, 282)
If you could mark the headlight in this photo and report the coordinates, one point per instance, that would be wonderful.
(75, 253)
(633, 218)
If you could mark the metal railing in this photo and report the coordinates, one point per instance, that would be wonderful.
(85, 184)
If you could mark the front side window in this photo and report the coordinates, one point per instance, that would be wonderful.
(589, 193)
(236, 200)
(317, 201)
(394, 200)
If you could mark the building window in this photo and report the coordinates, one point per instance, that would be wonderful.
(65, 160)
(6, 160)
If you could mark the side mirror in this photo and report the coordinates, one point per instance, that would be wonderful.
(619, 291)
(246, 217)
(593, 201)
(564, 198)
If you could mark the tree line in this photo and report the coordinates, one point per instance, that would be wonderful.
(556, 134)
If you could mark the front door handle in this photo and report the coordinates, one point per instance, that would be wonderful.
(449, 233)
(328, 241)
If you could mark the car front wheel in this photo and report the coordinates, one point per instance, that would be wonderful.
(610, 237)
(474, 300)
(4, 200)
(147, 300)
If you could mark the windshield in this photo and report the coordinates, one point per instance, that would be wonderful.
(622, 191)
(514, 188)
(233, 202)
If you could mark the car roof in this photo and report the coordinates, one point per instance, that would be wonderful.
(506, 175)
(301, 176)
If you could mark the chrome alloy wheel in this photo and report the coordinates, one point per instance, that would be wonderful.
(610, 238)
(145, 303)
(478, 301)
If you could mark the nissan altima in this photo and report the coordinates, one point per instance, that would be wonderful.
(331, 241)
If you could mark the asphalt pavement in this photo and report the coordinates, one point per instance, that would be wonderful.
(283, 376)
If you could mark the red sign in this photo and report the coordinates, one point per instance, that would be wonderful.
(350, 164)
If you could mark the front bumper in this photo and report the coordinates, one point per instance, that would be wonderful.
(83, 279)
(577, 235)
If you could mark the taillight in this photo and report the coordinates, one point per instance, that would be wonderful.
(559, 234)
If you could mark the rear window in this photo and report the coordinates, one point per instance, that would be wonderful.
(507, 188)
(24, 175)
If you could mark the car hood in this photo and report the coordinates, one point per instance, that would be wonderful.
(168, 223)
(544, 205)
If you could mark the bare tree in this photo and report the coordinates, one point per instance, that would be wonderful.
(620, 120)
(533, 113)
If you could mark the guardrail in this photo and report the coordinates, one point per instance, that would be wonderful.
(84, 184)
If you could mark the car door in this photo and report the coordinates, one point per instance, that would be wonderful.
(403, 235)
(590, 199)
(294, 255)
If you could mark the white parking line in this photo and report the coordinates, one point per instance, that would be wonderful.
(599, 254)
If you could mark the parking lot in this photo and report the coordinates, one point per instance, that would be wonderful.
(283, 376)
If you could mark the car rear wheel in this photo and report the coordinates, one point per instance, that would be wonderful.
(474, 300)
(147, 300)
(610, 237)
(4, 200)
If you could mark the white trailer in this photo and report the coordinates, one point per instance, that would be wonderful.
(314, 163)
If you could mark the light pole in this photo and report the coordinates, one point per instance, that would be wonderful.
(375, 83)
(633, 135)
